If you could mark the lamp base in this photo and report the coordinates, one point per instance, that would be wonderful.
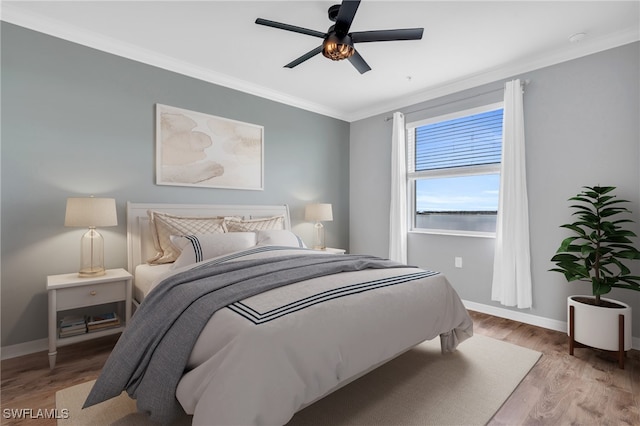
(91, 254)
(319, 243)
(91, 272)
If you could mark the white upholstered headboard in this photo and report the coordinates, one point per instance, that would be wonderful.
(140, 245)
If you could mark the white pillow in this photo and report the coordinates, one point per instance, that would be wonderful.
(279, 237)
(196, 248)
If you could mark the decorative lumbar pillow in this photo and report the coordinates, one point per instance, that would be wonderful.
(196, 248)
(235, 224)
(164, 225)
(279, 237)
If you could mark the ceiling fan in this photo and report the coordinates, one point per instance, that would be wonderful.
(338, 41)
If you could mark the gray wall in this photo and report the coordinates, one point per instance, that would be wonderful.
(582, 128)
(76, 121)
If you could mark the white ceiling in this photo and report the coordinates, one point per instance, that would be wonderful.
(465, 43)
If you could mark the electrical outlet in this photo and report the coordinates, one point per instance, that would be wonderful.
(458, 261)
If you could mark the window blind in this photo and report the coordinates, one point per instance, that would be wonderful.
(461, 142)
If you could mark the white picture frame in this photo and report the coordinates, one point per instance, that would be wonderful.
(203, 150)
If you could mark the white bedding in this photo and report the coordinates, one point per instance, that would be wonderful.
(260, 360)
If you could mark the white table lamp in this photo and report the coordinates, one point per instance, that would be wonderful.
(318, 213)
(91, 212)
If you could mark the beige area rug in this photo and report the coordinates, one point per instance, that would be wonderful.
(420, 387)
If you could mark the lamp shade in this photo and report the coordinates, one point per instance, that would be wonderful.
(318, 212)
(91, 212)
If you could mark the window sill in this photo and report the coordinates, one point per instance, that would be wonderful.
(454, 233)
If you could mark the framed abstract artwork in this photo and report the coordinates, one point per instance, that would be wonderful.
(202, 150)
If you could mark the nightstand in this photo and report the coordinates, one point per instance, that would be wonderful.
(69, 291)
(333, 250)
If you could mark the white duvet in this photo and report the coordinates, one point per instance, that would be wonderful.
(261, 360)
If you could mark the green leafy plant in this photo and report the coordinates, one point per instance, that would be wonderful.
(596, 251)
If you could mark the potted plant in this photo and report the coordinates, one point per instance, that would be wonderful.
(595, 254)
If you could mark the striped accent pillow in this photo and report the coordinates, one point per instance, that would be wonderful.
(196, 248)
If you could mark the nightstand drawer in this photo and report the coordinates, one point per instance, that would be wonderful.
(75, 297)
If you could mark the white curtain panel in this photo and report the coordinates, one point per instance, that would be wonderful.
(512, 267)
(398, 208)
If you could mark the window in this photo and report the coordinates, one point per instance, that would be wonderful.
(454, 171)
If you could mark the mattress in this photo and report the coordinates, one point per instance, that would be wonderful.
(146, 277)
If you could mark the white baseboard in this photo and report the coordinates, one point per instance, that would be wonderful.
(25, 348)
(551, 324)
(538, 321)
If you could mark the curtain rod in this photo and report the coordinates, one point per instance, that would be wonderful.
(522, 84)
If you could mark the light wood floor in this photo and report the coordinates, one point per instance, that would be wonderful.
(586, 389)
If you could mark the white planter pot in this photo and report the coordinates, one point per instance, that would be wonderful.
(597, 326)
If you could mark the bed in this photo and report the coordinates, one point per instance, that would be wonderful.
(295, 325)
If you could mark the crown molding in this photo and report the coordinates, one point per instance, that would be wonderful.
(55, 28)
(61, 30)
(572, 51)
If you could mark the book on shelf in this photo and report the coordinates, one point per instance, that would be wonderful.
(72, 321)
(74, 327)
(109, 317)
(103, 325)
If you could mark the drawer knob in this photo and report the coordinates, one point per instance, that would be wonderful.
(93, 292)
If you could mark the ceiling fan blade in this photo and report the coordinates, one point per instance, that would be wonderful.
(288, 27)
(359, 63)
(304, 57)
(345, 16)
(387, 35)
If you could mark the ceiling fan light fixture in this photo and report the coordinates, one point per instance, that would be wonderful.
(337, 48)
(337, 42)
